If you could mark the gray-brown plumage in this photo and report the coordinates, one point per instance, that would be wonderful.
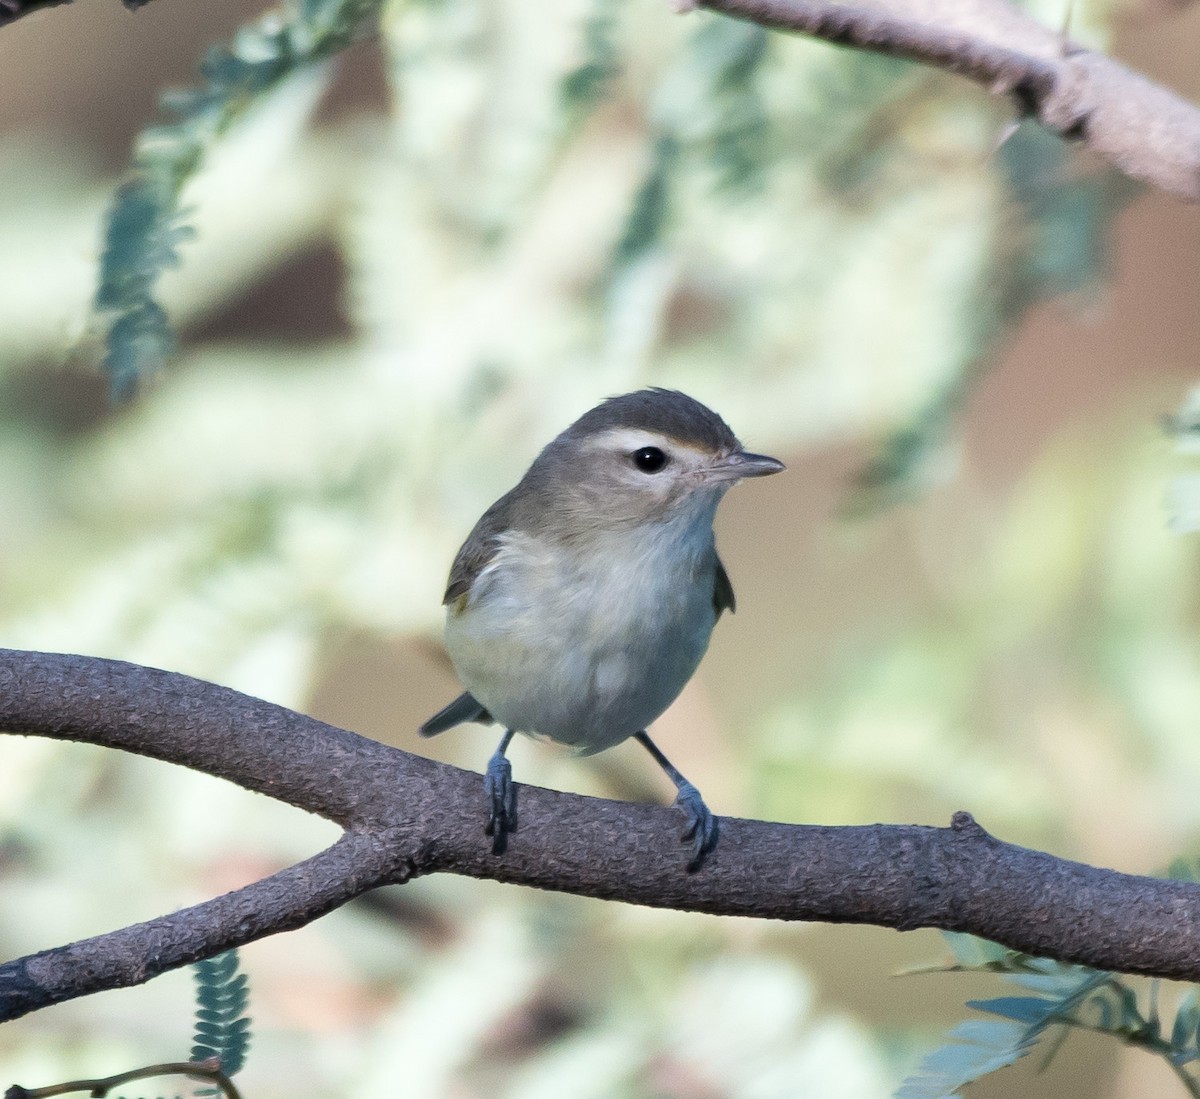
(657, 411)
(665, 411)
(583, 599)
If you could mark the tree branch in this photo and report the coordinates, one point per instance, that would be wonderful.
(99, 1087)
(12, 10)
(1141, 128)
(405, 816)
(132, 955)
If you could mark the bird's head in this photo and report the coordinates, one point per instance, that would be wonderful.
(642, 459)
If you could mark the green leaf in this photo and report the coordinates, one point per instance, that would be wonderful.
(1024, 1009)
(974, 1049)
(144, 227)
(1131, 1019)
(1185, 1033)
(648, 215)
(221, 1029)
(730, 55)
(587, 83)
(1181, 869)
(1067, 213)
(972, 952)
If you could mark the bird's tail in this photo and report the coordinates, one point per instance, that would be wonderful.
(464, 708)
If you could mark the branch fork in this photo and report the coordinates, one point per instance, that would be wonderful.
(404, 816)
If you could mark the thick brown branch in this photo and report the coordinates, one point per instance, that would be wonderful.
(406, 815)
(134, 954)
(1147, 132)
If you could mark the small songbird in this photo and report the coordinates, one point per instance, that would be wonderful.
(583, 600)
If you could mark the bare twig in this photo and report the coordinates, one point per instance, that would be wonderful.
(101, 1086)
(405, 815)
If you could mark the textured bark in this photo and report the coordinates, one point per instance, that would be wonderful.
(404, 816)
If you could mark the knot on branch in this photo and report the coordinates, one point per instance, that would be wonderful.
(964, 824)
(1066, 106)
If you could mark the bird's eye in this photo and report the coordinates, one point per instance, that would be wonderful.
(649, 459)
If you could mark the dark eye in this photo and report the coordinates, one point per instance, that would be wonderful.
(649, 459)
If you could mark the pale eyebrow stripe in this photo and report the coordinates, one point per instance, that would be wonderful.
(633, 438)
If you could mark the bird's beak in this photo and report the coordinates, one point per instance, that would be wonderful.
(741, 463)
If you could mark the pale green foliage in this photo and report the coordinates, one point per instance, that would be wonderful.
(144, 227)
(511, 259)
(1184, 427)
(744, 1025)
(1055, 995)
(565, 201)
(222, 1028)
(1077, 573)
(515, 251)
(1063, 251)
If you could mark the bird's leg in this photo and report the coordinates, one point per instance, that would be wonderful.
(501, 796)
(702, 825)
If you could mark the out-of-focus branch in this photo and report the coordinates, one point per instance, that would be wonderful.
(404, 816)
(12, 10)
(1146, 131)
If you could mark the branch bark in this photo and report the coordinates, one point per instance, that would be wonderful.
(1141, 128)
(404, 816)
(12, 10)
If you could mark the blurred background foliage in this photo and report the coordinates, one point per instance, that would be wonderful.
(355, 280)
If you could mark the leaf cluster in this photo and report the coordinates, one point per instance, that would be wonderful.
(621, 198)
(220, 1043)
(222, 1026)
(1055, 999)
(145, 225)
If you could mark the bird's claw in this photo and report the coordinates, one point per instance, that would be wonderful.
(702, 825)
(501, 796)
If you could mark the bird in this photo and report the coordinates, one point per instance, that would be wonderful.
(583, 600)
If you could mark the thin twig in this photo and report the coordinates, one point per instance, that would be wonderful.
(209, 1070)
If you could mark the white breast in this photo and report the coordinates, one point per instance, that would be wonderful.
(586, 649)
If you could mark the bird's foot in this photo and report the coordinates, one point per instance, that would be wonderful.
(702, 825)
(501, 796)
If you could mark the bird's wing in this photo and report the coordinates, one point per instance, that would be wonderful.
(723, 591)
(479, 548)
(462, 709)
